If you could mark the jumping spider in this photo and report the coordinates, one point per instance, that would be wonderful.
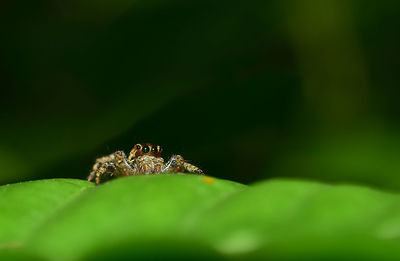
(144, 158)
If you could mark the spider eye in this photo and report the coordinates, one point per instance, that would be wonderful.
(138, 147)
(145, 149)
(154, 150)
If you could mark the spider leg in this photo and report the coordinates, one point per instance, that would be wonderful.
(177, 164)
(173, 164)
(192, 168)
(123, 167)
(103, 170)
(98, 163)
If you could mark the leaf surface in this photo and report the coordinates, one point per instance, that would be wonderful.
(176, 216)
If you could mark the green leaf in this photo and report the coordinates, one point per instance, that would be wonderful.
(182, 216)
(24, 206)
(280, 213)
(18, 255)
(155, 249)
(128, 208)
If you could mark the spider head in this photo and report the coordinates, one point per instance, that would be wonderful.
(141, 149)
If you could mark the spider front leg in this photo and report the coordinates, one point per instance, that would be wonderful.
(114, 164)
(106, 170)
(98, 164)
(177, 164)
(123, 167)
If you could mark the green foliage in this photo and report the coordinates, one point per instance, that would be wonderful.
(24, 206)
(188, 216)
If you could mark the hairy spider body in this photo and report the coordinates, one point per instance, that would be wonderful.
(143, 159)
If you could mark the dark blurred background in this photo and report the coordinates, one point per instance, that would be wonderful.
(247, 90)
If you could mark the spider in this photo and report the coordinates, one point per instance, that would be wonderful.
(144, 158)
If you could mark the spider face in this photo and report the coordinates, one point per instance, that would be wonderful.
(147, 149)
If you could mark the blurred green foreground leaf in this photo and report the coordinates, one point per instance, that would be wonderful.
(184, 217)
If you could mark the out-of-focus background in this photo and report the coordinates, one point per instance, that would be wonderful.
(246, 90)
